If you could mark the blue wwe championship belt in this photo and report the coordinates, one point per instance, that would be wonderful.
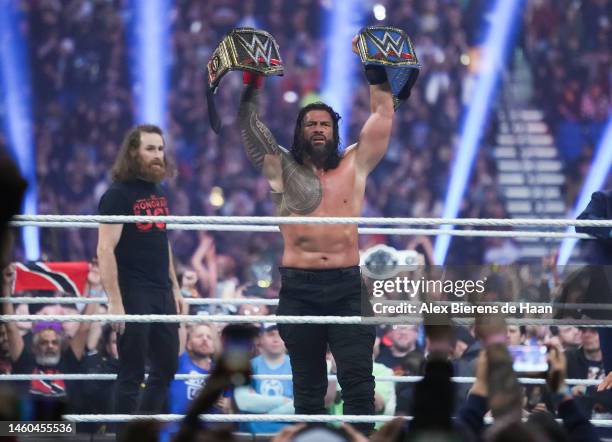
(243, 49)
(392, 49)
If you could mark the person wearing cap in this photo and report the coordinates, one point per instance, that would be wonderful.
(267, 396)
(47, 353)
(403, 342)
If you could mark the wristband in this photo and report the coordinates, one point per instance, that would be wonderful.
(252, 79)
(95, 292)
(375, 74)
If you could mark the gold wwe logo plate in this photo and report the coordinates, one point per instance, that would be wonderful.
(245, 49)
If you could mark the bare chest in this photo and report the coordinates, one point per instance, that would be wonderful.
(336, 192)
(342, 193)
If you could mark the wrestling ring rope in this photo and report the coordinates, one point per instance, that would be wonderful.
(269, 224)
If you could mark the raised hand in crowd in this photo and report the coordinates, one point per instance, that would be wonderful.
(204, 262)
(504, 392)
(94, 281)
(15, 339)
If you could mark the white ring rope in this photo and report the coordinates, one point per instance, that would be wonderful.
(189, 301)
(268, 224)
(280, 377)
(248, 319)
(361, 230)
(274, 220)
(324, 418)
(274, 302)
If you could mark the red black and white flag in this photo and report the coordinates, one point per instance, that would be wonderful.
(66, 277)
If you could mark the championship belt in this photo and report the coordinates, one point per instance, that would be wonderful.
(383, 262)
(243, 49)
(391, 49)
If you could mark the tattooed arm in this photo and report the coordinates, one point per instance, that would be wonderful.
(297, 188)
(257, 138)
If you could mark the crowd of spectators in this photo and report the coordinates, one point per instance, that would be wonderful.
(83, 107)
(567, 44)
(64, 347)
(54, 348)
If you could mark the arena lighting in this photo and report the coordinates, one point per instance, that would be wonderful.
(149, 29)
(501, 20)
(338, 86)
(290, 97)
(596, 177)
(380, 12)
(17, 115)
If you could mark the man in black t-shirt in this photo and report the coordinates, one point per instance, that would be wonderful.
(403, 343)
(586, 362)
(47, 353)
(137, 273)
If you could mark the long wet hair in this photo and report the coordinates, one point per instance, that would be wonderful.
(298, 148)
(127, 165)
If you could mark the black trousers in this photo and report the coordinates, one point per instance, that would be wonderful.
(157, 341)
(335, 292)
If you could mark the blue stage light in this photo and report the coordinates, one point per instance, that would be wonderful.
(338, 88)
(500, 26)
(149, 36)
(17, 116)
(598, 173)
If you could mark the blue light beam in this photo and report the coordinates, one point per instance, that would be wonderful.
(338, 87)
(15, 97)
(600, 167)
(501, 22)
(149, 48)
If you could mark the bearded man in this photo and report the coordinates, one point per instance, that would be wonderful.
(320, 264)
(46, 354)
(136, 268)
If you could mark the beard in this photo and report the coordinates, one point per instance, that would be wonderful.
(48, 360)
(198, 354)
(323, 156)
(149, 171)
(401, 346)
